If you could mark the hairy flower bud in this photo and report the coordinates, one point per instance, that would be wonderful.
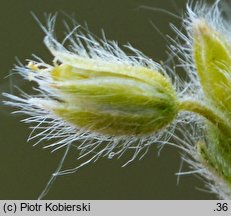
(122, 100)
(96, 94)
(212, 56)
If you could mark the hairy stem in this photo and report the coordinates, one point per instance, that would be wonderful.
(210, 114)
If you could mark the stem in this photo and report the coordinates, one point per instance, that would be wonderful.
(212, 115)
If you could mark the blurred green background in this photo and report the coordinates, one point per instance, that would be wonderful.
(25, 170)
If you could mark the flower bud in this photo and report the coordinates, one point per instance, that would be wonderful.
(113, 99)
(213, 60)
